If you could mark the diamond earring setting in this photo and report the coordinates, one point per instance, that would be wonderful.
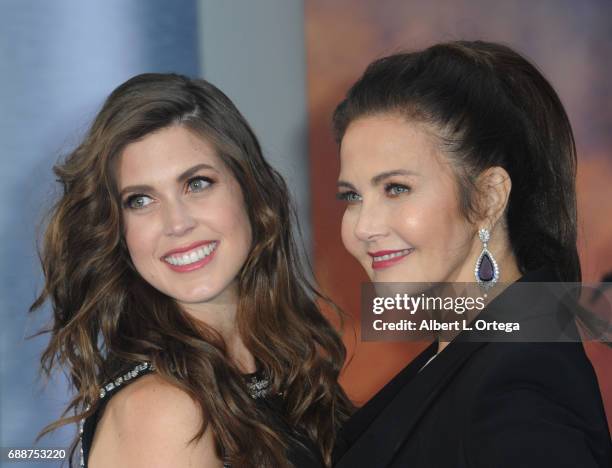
(486, 270)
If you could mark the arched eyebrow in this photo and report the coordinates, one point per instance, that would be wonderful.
(377, 179)
(343, 184)
(181, 178)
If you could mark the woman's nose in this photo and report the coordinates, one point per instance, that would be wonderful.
(371, 223)
(177, 219)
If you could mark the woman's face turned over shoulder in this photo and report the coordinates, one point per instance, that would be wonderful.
(186, 226)
(402, 220)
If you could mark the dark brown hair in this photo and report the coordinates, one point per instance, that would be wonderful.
(490, 107)
(107, 318)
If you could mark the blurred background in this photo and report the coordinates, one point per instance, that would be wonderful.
(286, 64)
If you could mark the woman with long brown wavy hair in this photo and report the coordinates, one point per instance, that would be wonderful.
(181, 311)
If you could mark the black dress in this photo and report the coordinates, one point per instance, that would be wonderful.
(486, 404)
(302, 452)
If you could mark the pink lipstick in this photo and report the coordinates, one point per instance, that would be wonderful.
(386, 258)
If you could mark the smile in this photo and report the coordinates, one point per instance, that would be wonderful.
(191, 259)
(387, 258)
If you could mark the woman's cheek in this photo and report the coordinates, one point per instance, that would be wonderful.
(347, 233)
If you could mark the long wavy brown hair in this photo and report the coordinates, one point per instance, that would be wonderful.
(107, 317)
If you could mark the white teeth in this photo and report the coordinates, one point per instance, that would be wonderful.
(191, 257)
(401, 253)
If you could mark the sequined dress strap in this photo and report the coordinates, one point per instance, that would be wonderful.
(257, 385)
(106, 391)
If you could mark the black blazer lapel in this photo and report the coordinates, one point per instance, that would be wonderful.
(401, 406)
(378, 444)
(363, 418)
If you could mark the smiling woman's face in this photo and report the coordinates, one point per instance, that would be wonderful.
(186, 226)
(402, 220)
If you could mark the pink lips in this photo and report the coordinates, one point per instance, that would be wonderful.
(380, 264)
(191, 266)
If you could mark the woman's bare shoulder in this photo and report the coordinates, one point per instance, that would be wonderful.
(150, 423)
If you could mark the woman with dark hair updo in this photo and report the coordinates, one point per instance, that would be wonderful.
(458, 166)
(181, 311)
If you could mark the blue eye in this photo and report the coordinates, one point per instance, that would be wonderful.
(199, 183)
(396, 189)
(350, 197)
(137, 201)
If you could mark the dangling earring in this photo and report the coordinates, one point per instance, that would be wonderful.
(486, 271)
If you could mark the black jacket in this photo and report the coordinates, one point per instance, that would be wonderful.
(484, 405)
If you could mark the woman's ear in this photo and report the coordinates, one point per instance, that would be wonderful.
(494, 187)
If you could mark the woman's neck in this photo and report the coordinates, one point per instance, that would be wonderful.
(221, 317)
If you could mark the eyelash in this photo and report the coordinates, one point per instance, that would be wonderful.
(208, 180)
(345, 196)
(390, 190)
(128, 203)
(391, 186)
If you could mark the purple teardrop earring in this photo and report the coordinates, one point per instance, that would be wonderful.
(486, 271)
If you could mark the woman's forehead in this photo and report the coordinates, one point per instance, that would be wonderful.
(386, 143)
(165, 153)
